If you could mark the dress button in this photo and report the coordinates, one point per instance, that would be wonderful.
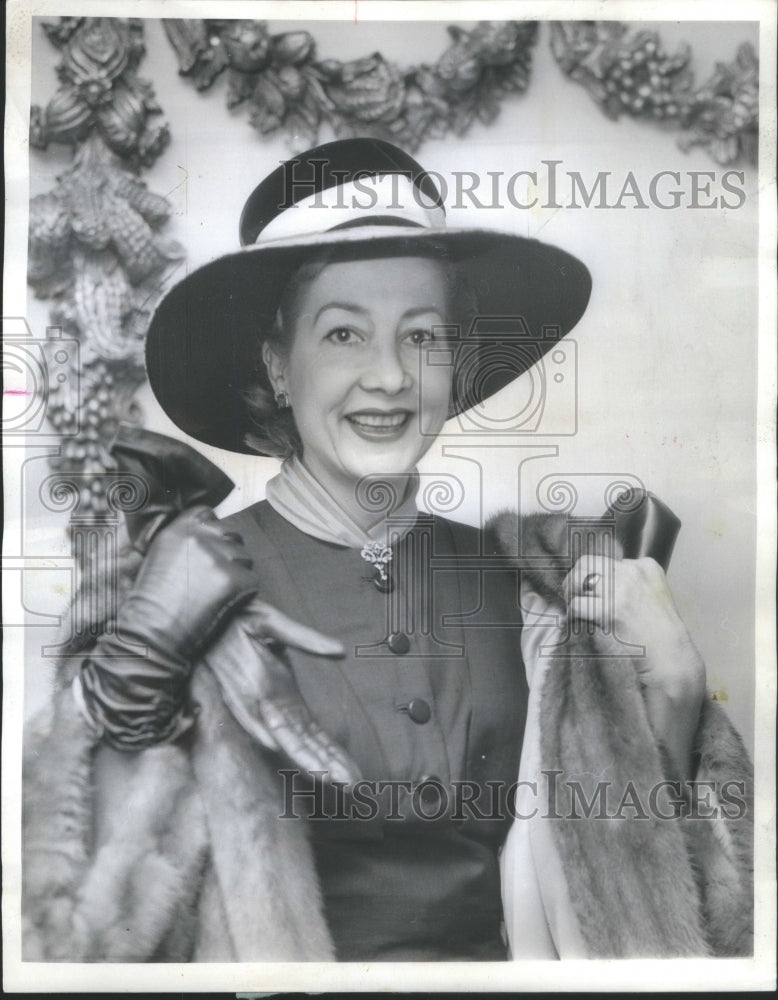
(398, 642)
(430, 791)
(420, 711)
(385, 586)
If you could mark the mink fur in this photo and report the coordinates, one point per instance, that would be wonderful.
(640, 885)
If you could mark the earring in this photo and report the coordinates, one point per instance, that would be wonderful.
(282, 400)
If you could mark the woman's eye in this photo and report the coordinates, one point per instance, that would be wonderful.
(342, 335)
(419, 336)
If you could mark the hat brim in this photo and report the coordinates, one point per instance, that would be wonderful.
(204, 340)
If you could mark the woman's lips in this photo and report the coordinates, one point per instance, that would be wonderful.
(379, 424)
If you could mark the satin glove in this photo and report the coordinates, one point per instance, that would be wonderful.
(631, 599)
(133, 684)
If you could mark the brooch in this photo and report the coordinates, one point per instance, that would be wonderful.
(379, 555)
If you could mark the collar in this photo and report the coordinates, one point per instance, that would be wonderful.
(297, 496)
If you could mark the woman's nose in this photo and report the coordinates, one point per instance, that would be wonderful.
(386, 370)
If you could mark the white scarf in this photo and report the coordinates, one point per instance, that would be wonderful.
(303, 501)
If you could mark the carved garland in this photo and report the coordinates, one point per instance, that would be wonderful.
(632, 74)
(285, 86)
(96, 248)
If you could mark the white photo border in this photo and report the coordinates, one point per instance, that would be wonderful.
(636, 975)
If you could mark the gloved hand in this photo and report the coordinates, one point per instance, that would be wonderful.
(193, 576)
(133, 685)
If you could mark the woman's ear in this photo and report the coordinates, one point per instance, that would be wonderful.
(276, 367)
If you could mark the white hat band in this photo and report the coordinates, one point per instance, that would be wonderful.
(387, 195)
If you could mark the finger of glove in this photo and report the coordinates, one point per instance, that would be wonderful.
(305, 743)
(248, 670)
(242, 676)
(269, 624)
(212, 549)
(200, 525)
(199, 514)
(229, 545)
(243, 587)
(249, 717)
(197, 518)
(192, 546)
(306, 746)
(261, 693)
(224, 551)
(238, 553)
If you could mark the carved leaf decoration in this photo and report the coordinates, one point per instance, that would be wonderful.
(632, 74)
(153, 207)
(141, 252)
(59, 31)
(49, 235)
(123, 121)
(96, 250)
(723, 114)
(100, 91)
(293, 48)
(94, 243)
(95, 55)
(247, 45)
(102, 297)
(370, 90)
(65, 119)
(285, 87)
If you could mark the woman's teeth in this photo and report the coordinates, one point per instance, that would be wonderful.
(378, 421)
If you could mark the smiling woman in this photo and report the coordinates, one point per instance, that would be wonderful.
(353, 368)
(274, 428)
(340, 339)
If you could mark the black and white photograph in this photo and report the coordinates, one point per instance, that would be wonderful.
(389, 460)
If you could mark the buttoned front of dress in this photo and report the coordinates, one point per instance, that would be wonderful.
(423, 701)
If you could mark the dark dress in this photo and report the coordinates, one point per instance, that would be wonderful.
(430, 701)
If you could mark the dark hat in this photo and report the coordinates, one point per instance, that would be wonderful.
(355, 197)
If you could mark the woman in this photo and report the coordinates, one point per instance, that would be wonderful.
(341, 340)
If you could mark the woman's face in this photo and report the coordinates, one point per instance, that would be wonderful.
(365, 396)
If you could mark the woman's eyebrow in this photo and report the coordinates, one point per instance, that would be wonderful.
(350, 306)
(422, 311)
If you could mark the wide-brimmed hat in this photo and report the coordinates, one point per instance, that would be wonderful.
(358, 198)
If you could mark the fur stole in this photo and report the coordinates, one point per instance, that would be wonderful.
(641, 883)
(176, 853)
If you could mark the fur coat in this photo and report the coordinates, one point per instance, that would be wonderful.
(175, 853)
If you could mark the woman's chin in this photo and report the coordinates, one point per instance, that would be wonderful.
(382, 461)
(377, 455)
